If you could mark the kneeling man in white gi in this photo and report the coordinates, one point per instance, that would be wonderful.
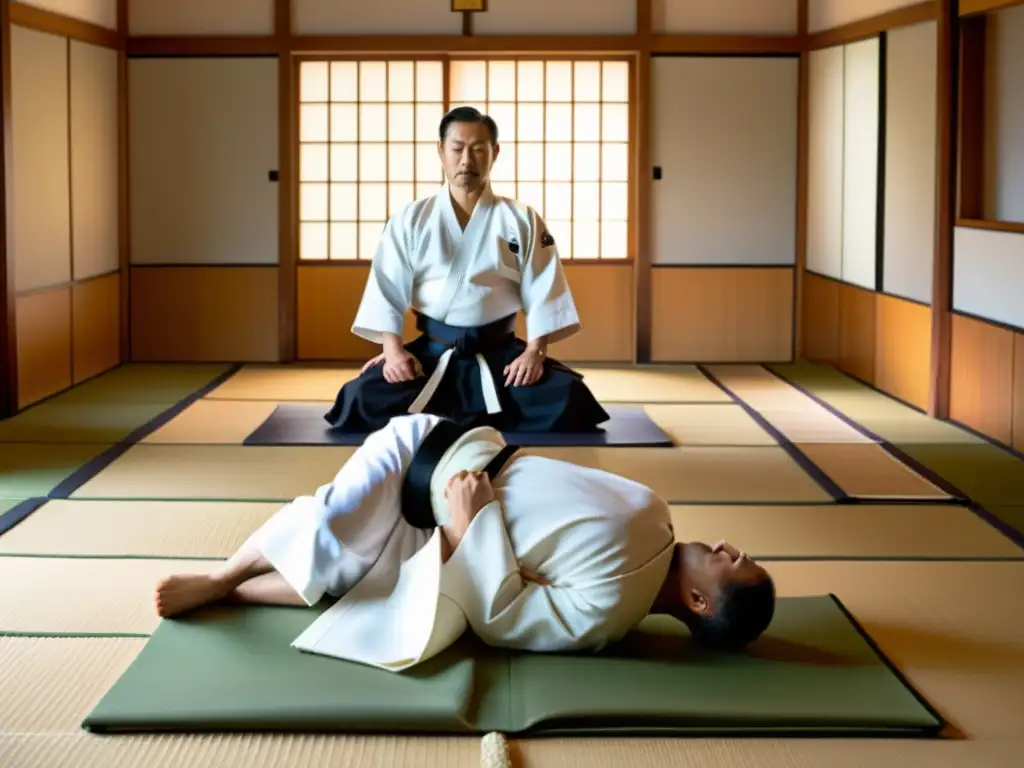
(431, 528)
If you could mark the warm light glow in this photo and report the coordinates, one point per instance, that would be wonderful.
(368, 146)
(368, 133)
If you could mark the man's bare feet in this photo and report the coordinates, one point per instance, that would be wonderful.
(183, 592)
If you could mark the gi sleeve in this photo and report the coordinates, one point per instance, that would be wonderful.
(483, 577)
(544, 291)
(388, 293)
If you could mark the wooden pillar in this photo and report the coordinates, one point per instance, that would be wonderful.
(641, 124)
(945, 205)
(8, 337)
(287, 187)
(802, 137)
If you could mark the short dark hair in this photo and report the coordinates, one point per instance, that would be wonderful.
(744, 610)
(469, 115)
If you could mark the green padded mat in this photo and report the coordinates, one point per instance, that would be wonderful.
(141, 383)
(232, 669)
(58, 422)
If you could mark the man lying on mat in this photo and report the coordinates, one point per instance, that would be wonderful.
(431, 527)
(466, 261)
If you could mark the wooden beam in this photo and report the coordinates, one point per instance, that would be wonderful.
(47, 21)
(641, 116)
(287, 187)
(123, 195)
(945, 202)
(859, 30)
(971, 116)
(974, 7)
(802, 138)
(745, 44)
(8, 337)
(992, 226)
(205, 45)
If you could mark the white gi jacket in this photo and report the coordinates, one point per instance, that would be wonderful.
(566, 558)
(504, 262)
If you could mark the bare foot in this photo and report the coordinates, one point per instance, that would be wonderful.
(183, 592)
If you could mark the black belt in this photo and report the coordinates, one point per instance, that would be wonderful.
(467, 340)
(416, 507)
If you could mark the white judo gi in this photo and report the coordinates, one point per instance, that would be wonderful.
(504, 262)
(600, 544)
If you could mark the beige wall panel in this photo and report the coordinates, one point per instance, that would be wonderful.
(981, 381)
(910, 151)
(96, 326)
(1018, 392)
(44, 344)
(725, 17)
(211, 314)
(400, 17)
(710, 314)
(988, 274)
(1004, 119)
(94, 160)
(821, 319)
(825, 161)
(41, 194)
(328, 297)
(101, 12)
(203, 135)
(857, 332)
(724, 133)
(828, 14)
(903, 349)
(566, 17)
(604, 300)
(201, 17)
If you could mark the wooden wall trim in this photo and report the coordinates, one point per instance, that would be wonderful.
(124, 257)
(47, 21)
(971, 117)
(948, 64)
(642, 115)
(67, 283)
(287, 187)
(739, 44)
(993, 226)
(972, 7)
(8, 328)
(802, 138)
(858, 30)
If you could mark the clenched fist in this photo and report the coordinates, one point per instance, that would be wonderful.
(467, 493)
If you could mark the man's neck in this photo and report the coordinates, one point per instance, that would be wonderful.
(464, 202)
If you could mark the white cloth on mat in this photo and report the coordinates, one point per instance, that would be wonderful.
(565, 558)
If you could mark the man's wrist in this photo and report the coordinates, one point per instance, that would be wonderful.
(540, 345)
(392, 344)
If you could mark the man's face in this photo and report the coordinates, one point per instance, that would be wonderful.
(467, 155)
(709, 569)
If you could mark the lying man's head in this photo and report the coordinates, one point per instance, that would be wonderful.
(725, 598)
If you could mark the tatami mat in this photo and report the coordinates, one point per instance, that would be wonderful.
(846, 531)
(137, 528)
(78, 423)
(218, 422)
(709, 424)
(285, 383)
(679, 384)
(228, 472)
(163, 383)
(6, 504)
(248, 750)
(684, 384)
(72, 595)
(986, 473)
(50, 683)
(703, 474)
(870, 472)
(34, 469)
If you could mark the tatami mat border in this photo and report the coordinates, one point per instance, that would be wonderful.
(926, 472)
(19, 512)
(83, 474)
(827, 483)
(885, 659)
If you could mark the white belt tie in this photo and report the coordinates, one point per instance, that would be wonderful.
(486, 382)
